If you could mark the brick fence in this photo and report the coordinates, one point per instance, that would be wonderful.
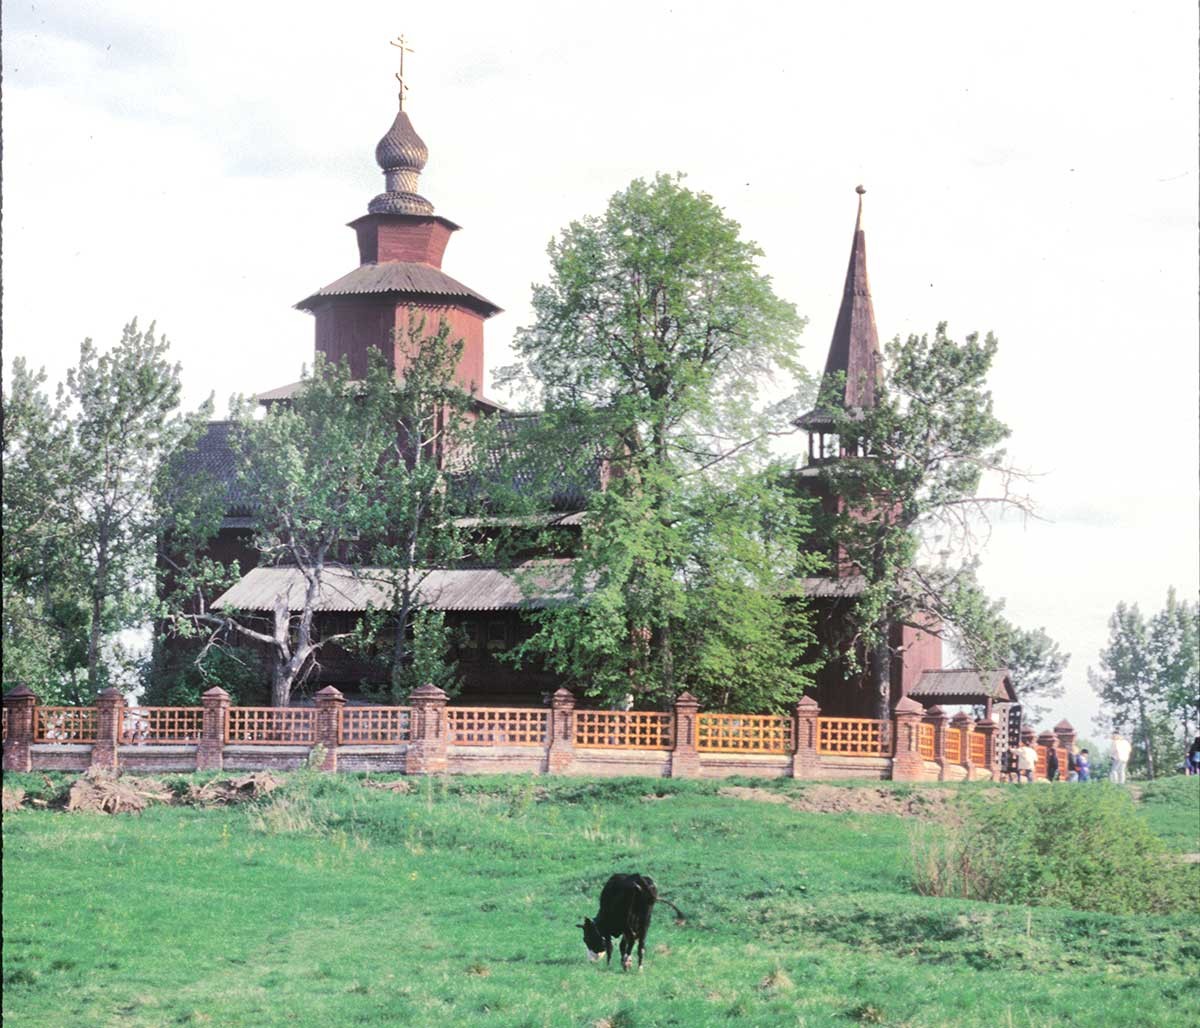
(431, 737)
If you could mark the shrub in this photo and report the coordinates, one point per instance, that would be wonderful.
(1081, 847)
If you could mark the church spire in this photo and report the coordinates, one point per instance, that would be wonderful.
(402, 154)
(854, 350)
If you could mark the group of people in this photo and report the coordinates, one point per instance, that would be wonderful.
(1022, 762)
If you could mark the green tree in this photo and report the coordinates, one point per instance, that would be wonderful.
(45, 616)
(1126, 685)
(985, 638)
(95, 510)
(1175, 652)
(651, 343)
(1148, 679)
(924, 471)
(434, 446)
(352, 475)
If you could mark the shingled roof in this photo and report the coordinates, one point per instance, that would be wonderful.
(854, 349)
(214, 457)
(400, 277)
(446, 589)
(964, 685)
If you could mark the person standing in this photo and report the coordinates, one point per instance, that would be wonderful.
(1083, 766)
(1120, 758)
(1026, 762)
(1193, 757)
(1051, 764)
(1072, 753)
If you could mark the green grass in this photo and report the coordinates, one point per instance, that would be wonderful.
(456, 905)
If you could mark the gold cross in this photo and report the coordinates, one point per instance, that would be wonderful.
(401, 44)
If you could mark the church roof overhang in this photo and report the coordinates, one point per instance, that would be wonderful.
(416, 282)
(411, 218)
(531, 585)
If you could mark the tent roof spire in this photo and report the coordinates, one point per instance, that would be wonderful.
(854, 349)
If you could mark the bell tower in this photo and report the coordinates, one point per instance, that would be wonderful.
(401, 242)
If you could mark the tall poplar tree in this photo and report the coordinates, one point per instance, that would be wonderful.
(87, 478)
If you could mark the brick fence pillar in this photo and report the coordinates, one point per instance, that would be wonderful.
(110, 718)
(806, 762)
(210, 753)
(427, 750)
(560, 739)
(685, 758)
(907, 763)
(962, 723)
(987, 728)
(18, 708)
(1063, 731)
(329, 715)
(941, 722)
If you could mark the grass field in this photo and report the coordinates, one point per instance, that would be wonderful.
(456, 904)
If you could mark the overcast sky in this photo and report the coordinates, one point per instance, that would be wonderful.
(1031, 170)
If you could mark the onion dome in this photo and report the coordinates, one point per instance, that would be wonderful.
(401, 154)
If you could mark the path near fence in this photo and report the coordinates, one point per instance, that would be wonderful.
(430, 737)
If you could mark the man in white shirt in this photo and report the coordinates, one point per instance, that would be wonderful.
(1026, 762)
(1120, 758)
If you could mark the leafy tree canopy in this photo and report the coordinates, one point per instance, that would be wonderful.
(653, 340)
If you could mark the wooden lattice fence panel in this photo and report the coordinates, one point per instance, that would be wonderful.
(852, 736)
(743, 733)
(162, 725)
(978, 748)
(954, 746)
(374, 725)
(64, 724)
(271, 726)
(497, 726)
(624, 729)
(925, 740)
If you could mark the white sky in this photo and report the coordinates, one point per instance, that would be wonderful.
(1031, 170)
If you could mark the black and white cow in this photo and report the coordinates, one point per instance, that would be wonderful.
(626, 903)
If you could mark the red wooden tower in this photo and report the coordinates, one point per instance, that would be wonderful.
(400, 246)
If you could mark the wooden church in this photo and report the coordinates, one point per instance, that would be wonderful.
(401, 245)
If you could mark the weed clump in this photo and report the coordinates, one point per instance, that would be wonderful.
(1083, 847)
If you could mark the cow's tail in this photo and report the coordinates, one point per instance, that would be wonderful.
(680, 916)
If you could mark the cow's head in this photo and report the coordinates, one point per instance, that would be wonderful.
(592, 939)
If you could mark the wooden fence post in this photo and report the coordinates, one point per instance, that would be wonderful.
(329, 715)
(940, 721)
(806, 762)
(427, 750)
(685, 758)
(110, 717)
(560, 738)
(210, 753)
(907, 763)
(19, 704)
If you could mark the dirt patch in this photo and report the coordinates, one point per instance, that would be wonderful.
(13, 798)
(934, 804)
(100, 792)
(223, 792)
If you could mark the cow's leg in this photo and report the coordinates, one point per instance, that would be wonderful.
(626, 951)
(608, 949)
(641, 948)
